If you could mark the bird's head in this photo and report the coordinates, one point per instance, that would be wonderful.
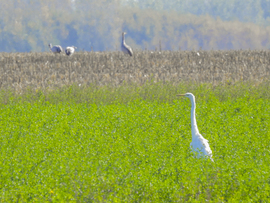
(189, 95)
(123, 33)
(50, 45)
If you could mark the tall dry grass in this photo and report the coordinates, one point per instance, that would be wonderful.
(21, 71)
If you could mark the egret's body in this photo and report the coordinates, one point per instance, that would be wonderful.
(124, 47)
(199, 144)
(70, 50)
(56, 48)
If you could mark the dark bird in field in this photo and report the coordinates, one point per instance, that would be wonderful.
(56, 48)
(124, 47)
(70, 50)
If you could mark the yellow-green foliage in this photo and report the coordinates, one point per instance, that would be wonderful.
(97, 24)
(131, 144)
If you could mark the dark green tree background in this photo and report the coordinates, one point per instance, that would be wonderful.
(29, 25)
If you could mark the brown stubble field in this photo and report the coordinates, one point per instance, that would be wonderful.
(46, 71)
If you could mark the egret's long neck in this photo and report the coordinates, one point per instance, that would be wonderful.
(194, 127)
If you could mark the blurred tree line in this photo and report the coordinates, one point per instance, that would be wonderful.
(256, 11)
(29, 25)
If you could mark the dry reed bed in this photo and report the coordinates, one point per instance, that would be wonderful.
(21, 71)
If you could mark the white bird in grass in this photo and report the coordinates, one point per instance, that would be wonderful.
(124, 47)
(56, 48)
(199, 144)
(70, 50)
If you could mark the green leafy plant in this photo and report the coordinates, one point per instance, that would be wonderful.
(110, 147)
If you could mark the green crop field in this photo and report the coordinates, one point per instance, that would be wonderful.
(131, 144)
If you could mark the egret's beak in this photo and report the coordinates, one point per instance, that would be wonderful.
(181, 95)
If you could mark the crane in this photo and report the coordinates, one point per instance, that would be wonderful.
(124, 47)
(70, 50)
(56, 48)
(199, 144)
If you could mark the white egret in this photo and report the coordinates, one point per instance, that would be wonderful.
(124, 47)
(56, 48)
(199, 144)
(70, 50)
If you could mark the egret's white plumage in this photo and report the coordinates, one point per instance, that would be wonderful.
(70, 50)
(199, 144)
(124, 47)
(56, 48)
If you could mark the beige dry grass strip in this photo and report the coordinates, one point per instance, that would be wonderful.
(23, 70)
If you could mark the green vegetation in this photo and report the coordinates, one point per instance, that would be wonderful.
(131, 144)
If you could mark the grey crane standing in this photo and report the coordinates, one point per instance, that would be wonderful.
(124, 47)
(70, 50)
(56, 48)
